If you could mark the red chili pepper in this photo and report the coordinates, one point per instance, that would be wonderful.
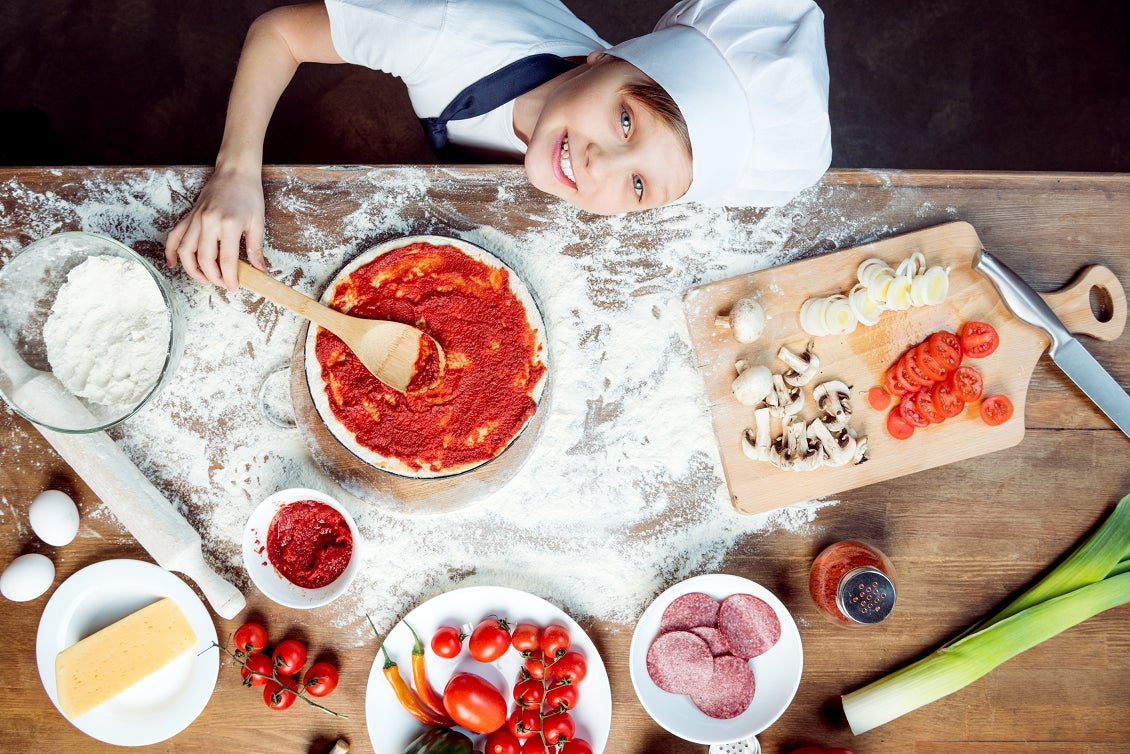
(427, 694)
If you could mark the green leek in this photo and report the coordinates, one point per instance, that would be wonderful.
(1094, 578)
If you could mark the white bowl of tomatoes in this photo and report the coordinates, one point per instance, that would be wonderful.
(482, 667)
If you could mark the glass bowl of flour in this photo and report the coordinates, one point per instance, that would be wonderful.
(89, 332)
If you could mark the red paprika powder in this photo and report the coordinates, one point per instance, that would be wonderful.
(852, 584)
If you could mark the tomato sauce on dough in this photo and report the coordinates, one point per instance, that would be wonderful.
(493, 359)
(309, 543)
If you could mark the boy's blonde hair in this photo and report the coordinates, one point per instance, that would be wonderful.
(659, 103)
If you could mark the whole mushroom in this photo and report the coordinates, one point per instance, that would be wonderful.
(746, 320)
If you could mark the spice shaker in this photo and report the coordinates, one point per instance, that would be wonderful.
(852, 584)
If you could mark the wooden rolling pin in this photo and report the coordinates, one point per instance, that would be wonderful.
(153, 520)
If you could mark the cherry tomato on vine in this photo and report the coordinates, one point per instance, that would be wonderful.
(996, 409)
(529, 693)
(257, 663)
(490, 639)
(447, 642)
(966, 384)
(534, 665)
(280, 697)
(978, 339)
(320, 679)
(571, 668)
(554, 642)
(557, 727)
(898, 427)
(502, 741)
(575, 746)
(250, 639)
(563, 697)
(289, 656)
(524, 723)
(526, 637)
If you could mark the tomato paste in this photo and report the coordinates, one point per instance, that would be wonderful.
(493, 359)
(309, 543)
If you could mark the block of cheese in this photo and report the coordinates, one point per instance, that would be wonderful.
(108, 662)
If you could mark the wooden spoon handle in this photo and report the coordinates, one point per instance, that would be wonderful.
(285, 296)
(1073, 305)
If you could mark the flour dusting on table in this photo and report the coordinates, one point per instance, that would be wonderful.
(624, 493)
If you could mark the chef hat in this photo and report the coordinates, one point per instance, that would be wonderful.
(751, 80)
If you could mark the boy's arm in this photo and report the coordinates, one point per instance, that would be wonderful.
(230, 206)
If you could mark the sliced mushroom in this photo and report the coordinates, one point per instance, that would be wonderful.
(799, 455)
(752, 385)
(756, 441)
(821, 436)
(842, 451)
(786, 400)
(834, 399)
(746, 320)
(802, 367)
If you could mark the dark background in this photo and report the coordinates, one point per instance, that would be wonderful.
(946, 84)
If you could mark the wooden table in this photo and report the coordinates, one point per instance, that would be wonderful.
(962, 537)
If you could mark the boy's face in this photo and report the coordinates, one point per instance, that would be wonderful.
(602, 151)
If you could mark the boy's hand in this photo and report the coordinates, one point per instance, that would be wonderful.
(207, 239)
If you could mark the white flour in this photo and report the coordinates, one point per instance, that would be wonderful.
(108, 331)
(624, 493)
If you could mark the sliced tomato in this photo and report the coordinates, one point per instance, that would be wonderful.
(924, 402)
(927, 363)
(879, 398)
(978, 339)
(996, 409)
(898, 427)
(914, 371)
(894, 385)
(945, 347)
(908, 376)
(910, 412)
(966, 384)
(945, 401)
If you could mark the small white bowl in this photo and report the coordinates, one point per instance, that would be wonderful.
(777, 672)
(267, 578)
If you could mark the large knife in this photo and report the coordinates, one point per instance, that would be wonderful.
(1068, 354)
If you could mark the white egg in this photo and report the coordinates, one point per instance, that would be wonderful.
(27, 577)
(54, 517)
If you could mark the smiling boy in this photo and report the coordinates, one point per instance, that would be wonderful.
(724, 103)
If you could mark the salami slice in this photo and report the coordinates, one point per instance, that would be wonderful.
(750, 625)
(714, 639)
(729, 691)
(689, 611)
(679, 662)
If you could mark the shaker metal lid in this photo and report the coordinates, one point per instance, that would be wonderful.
(865, 595)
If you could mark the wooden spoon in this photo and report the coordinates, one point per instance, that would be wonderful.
(390, 350)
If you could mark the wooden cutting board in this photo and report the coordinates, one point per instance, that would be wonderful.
(861, 358)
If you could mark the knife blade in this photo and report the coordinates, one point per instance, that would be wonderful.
(1065, 350)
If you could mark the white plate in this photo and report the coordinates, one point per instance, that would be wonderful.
(157, 707)
(777, 672)
(391, 728)
(263, 573)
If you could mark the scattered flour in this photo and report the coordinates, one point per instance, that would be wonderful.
(624, 493)
(108, 331)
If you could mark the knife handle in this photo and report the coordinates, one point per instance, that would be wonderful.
(1022, 301)
(1093, 303)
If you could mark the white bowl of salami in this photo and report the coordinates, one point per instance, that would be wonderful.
(715, 659)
